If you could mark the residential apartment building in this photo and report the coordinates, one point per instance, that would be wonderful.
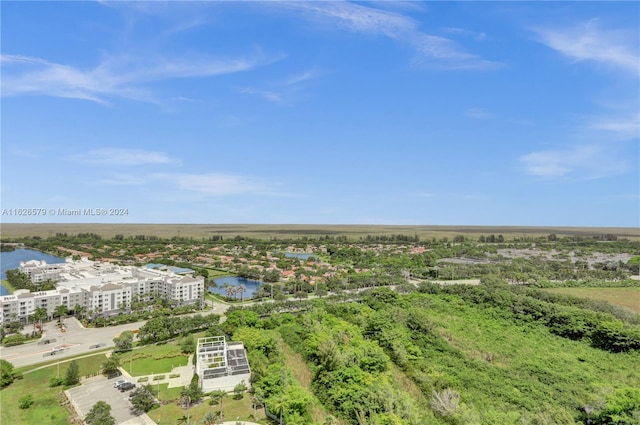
(99, 288)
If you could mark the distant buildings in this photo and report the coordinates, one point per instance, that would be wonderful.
(100, 288)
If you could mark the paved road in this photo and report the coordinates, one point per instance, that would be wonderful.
(75, 341)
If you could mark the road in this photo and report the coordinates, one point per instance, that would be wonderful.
(75, 341)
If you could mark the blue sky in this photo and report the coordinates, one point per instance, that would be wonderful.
(501, 113)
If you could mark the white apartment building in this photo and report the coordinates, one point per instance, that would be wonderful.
(99, 288)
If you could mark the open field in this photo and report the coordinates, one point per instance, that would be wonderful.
(624, 297)
(284, 231)
(231, 409)
(47, 408)
(153, 359)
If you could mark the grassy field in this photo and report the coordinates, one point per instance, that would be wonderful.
(48, 405)
(232, 410)
(292, 231)
(623, 297)
(153, 359)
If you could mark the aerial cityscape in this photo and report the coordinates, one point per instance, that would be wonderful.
(320, 213)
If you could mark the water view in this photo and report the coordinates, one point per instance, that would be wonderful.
(234, 281)
(300, 256)
(10, 260)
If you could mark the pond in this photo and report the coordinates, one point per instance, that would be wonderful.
(301, 256)
(235, 281)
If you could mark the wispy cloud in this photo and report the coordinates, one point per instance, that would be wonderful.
(477, 36)
(213, 184)
(121, 156)
(433, 51)
(283, 89)
(589, 42)
(625, 127)
(583, 162)
(355, 17)
(478, 113)
(265, 94)
(115, 76)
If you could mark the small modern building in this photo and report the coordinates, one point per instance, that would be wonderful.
(221, 365)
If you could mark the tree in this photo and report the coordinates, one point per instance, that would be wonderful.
(239, 390)
(188, 345)
(124, 341)
(218, 395)
(143, 398)
(79, 310)
(7, 374)
(61, 311)
(209, 418)
(39, 314)
(111, 365)
(73, 374)
(100, 414)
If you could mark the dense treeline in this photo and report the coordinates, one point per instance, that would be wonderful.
(166, 327)
(478, 355)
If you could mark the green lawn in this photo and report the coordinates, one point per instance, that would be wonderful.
(47, 408)
(153, 359)
(7, 285)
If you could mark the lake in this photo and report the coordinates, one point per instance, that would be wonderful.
(300, 256)
(10, 260)
(251, 285)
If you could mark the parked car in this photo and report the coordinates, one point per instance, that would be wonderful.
(126, 387)
(119, 382)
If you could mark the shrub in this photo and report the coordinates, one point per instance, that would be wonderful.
(15, 339)
(56, 381)
(25, 401)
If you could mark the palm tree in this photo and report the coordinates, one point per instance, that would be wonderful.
(209, 418)
(218, 395)
(78, 309)
(39, 314)
(241, 289)
(61, 311)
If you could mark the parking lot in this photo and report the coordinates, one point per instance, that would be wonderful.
(89, 393)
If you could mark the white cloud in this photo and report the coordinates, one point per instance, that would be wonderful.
(214, 184)
(589, 42)
(585, 161)
(432, 51)
(122, 156)
(118, 76)
(266, 94)
(355, 17)
(625, 127)
(478, 113)
(207, 184)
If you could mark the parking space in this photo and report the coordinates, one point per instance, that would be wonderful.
(88, 394)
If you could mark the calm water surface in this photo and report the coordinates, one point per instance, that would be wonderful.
(11, 260)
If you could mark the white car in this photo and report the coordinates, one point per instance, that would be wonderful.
(118, 383)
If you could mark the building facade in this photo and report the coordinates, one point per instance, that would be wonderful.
(99, 288)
